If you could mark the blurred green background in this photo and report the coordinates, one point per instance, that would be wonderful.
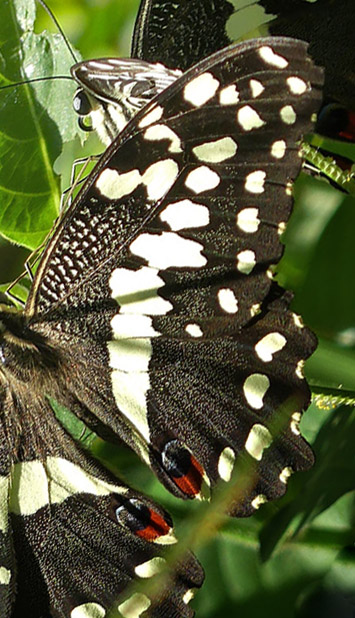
(294, 558)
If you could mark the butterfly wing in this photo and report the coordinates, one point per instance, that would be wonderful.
(73, 538)
(158, 278)
(180, 34)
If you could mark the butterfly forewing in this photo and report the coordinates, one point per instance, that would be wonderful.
(158, 278)
(206, 168)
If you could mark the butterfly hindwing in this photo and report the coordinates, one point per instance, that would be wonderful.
(180, 34)
(158, 277)
(73, 538)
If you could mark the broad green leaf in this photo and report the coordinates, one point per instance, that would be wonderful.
(34, 119)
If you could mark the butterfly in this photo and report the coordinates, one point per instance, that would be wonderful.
(154, 318)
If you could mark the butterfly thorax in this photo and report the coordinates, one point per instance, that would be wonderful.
(30, 371)
(24, 353)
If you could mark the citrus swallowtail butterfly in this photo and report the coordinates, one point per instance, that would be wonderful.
(154, 318)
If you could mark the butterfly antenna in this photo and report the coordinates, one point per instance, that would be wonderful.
(53, 17)
(36, 79)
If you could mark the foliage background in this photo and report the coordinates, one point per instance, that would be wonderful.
(294, 558)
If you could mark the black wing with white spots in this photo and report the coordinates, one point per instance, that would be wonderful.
(156, 288)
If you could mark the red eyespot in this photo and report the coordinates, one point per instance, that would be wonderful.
(183, 468)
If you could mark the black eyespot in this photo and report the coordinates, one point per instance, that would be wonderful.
(85, 123)
(144, 521)
(81, 103)
(176, 459)
(133, 515)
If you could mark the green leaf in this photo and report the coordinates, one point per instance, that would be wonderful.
(34, 119)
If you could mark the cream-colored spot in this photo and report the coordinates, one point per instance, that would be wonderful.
(255, 388)
(285, 474)
(168, 249)
(227, 300)
(226, 463)
(130, 355)
(256, 88)
(299, 369)
(249, 118)
(134, 606)
(159, 177)
(128, 326)
(185, 214)
(5, 576)
(269, 345)
(254, 182)
(246, 261)
(151, 117)
(4, 497)
(254, 310)
(248, 220)
(36, 484)
(88, 610)
(297, 320)
(259, 438)
(136, 291)
(202, 179)
(194, 330)
(188, 596)
(150, 568)
(130, 386)
(270, 57)
(278, 149)
(166, 539)
(281, 228)
(216, 151)
(29, 490)
(258, 501)
(289, 188)
(229, 95)
(113, 185)
(201, 89)
(159, 132)
(296, 85)
(288, 114)
(295, 423)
